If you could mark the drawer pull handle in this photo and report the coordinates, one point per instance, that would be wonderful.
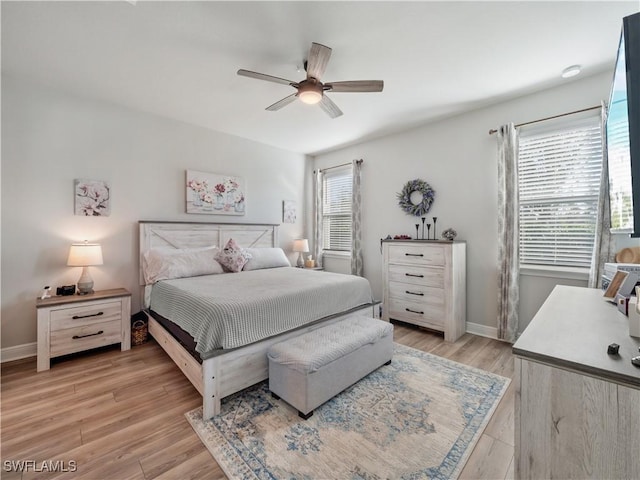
(414, 275)
(76, 317)
(76, 337)
(414, 293)
(414, 254)
(414, 311)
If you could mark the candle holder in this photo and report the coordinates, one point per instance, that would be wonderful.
(417, 230)
(435, 219)
(423, 219)
(428, 230)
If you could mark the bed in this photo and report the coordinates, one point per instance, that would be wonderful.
(232, 354)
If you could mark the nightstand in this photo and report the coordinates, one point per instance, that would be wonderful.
(74, 323)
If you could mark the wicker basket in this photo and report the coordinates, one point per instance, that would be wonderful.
(139, 332)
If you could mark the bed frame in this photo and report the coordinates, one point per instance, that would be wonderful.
(231, 370)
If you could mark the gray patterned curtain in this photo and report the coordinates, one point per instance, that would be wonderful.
(356, 223)
(317, 239)
(508, 261)
(603, 248)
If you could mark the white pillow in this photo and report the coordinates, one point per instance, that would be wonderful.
(167, 263)
(266, 258)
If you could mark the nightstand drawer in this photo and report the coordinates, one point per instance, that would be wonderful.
(76, 339)
(88, 314)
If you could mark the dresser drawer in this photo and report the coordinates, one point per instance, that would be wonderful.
(83, 337)
(88, 314)
(419, 313)
(430, 277)
(417, 254)
(417, 293)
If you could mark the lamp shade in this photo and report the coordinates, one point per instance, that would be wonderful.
(84, 255)
(301, 245)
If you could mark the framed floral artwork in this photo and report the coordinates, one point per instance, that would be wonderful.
(215, 194)
(92, 198)
(288, 211)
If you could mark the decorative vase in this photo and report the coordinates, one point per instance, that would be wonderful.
(239, 207)
(197, 201)
(219, 203)
(207, 207)
(449, 234)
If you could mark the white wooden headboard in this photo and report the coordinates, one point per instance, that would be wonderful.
(192, 235)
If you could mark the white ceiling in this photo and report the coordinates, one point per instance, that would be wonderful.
(179, 59)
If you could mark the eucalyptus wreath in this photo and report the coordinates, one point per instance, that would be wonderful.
(404, 197)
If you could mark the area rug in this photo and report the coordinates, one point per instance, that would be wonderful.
(418, 417)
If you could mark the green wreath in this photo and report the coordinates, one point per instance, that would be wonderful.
(421, 208)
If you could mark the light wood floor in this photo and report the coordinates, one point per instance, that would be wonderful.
(119, 415)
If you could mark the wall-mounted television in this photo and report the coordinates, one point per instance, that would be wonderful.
(623, 132)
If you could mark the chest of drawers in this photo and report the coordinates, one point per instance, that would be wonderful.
(425, 284)
(77, 323)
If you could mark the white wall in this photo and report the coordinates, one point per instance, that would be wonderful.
(457, 158)
(50, 138)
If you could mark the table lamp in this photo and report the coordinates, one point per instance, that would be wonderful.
(301, 246)
(84, 255)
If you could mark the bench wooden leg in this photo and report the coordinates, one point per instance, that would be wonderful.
(305, 416)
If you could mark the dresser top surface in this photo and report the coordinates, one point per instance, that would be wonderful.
(69, 299)
(442, 242)
(573, 329)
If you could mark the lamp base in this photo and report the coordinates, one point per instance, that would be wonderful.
(85, 288)
(85, 282)
(300, 263)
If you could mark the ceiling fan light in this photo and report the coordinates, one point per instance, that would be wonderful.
(310, 97)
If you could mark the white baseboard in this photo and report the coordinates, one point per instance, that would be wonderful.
(19, 351)
(482, 330)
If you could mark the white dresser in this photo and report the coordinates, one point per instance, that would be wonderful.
(577, 407)
(425, 284)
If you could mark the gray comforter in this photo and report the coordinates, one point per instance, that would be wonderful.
(235, 309)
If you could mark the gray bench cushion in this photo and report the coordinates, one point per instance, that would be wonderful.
(311, 351)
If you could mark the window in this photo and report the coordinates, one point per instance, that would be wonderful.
(559, 182)
(336, 209)
(620, 188)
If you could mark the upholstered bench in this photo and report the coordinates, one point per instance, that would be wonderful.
(308, 370)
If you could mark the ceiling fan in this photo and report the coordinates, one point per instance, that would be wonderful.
(311, 90)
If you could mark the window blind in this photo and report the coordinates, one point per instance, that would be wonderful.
(336, 209)
(559, 183)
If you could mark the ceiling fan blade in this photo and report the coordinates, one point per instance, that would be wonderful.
(328, 106)
(355, 86)
(317, 62)
(282, 103)
(268, 78)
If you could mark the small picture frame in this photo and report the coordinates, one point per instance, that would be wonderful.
(92, 198)
(288, 211)
(622, 283)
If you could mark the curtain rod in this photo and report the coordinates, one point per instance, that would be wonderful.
(341, 165)
(493, 130)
